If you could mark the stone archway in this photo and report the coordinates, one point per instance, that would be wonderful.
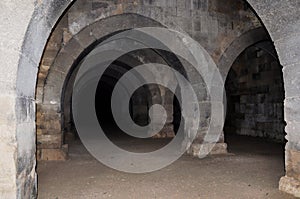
(51, 91)
(52, 87)
(151, 93)
(282, 23)
(18, 96)
(19, 69)
(238, 46)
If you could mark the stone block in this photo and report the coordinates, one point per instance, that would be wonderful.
(86, 37)
(74, 48)
(292, 129)
(292, 109)
(290, 185)
(36, 32)
(52, 94)
(49, 110)
(292, 164)
(39, 94)
(53, 141)
(201, 150)
(27, 72)
(291, 80)
(8, 170)
(53, 154)
(53, 125)
(63, 62)
(279, 17)
(25, 108)
(290, 55)
(7, 112)
(200, 5)
(197, 25)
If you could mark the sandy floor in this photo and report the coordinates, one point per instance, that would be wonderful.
(252, 170)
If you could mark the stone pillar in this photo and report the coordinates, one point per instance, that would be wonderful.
(167, 102)
(201, 144)
(284, 30)
(49, 133)
(291, 181)
(48, 117)
(139, 103)
(17, 122)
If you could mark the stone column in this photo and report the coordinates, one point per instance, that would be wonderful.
(167, 102)
(291, 181)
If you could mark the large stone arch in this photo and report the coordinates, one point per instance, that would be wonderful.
(238, 46)
(154, 96)
(50, 142)
(25, 29)
(50, 93)
(18, 80)
(283, 24)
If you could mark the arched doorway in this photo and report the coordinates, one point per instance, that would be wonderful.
(255, 94)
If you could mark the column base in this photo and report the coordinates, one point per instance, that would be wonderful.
(53, 154)
(166, 132)
(290, 185)
(164, 135)
(210, 149)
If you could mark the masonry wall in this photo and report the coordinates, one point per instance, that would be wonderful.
(24, 33)
(213, 23)
(49, 131)
(255, 96)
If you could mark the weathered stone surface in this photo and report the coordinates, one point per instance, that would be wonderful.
(86, 28)
(292, 130)
(63, 62)
(51, 141)
(290, 185)
(200, 150)
(166, 132)
(20, 54)
(292, 81)
(53, 154)
(86, 37)
(292, 54)
(255, 95)
(8, 167)
(279, 17)
(293, 164)
(292, 109)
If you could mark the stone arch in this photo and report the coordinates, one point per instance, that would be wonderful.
(280, 17)
(49, 144)
(117, 71)
(259, 62)
(112, 9)
(67, 58)
(37, 28)
(283, 24)
(238, 46)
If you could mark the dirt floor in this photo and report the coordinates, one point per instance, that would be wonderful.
(252, 169)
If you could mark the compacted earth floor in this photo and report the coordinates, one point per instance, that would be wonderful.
(251, 169)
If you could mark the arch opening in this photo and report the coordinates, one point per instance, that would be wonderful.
(255, 100)
(140, 102)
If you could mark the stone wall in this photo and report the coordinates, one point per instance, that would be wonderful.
(210, 22)
(24, 33)
(255, 96)
(49, 132)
